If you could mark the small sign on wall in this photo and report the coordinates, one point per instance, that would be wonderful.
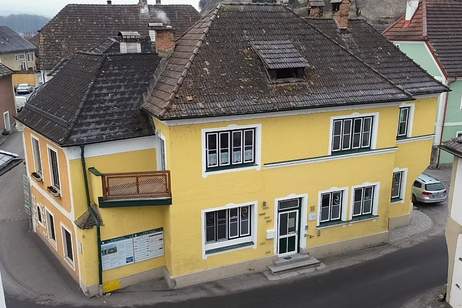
(312, 216)
(132, 248)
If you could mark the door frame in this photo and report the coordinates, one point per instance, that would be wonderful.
(303, 222)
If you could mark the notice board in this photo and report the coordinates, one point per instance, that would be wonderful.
(132, 248)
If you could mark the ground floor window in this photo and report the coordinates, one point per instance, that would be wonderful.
(39, 214)
(51, 226)
(363, 201)
(331, 206)
(67, 239)
(228, 227)
(397, 186)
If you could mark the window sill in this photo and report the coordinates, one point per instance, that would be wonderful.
(54, 191)
(329, 224)
(402, 137)
(345, 152)
(397, 200)
(224, 169)
(363, 218)
(37, 177)
(228, 248)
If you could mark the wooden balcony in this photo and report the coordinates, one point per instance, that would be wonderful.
(138, 188)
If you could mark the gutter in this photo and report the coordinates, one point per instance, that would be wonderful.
(443, 124)
(92, 211)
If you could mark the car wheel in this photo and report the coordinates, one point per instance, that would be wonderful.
(414, 200)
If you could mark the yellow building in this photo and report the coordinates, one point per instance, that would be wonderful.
(246, 140)
(18, 54)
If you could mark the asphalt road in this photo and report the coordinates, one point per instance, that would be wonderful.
(387, 281)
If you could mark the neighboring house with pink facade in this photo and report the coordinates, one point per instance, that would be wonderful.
(7, 107)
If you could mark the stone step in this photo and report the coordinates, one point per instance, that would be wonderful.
(296, 263)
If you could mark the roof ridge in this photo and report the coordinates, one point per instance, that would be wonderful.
(73, 121)
(212, 16)
(352, 54)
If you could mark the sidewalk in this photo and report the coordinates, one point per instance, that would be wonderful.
(30, 265)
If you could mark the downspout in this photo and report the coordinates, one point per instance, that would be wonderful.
(442, 124)
(90, 208)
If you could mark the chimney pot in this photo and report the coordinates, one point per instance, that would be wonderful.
(158, 2)
(316, 8)
(411, 8)
(341, 17)
(109, 2)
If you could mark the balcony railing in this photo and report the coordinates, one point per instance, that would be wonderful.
(139, 185)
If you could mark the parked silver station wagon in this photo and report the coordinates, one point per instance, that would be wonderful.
(427, 189)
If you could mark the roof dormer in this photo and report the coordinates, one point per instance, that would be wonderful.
(130, 42)
(282, 60)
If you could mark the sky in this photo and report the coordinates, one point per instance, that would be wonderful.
(49, 8)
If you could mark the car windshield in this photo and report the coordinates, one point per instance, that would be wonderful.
(434, 187)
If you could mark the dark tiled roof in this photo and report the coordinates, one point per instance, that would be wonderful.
(444, 30)
(375, 50)
(93, 98)
(5, 71)
(214, 71)
(84, 26)
(440, 23)
(11, 42)
(279, 54)
(453, 146)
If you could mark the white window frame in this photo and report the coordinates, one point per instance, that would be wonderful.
(50, 148)
(460, 106)
(70, 262)
(410, 124)
(344, 205)
(257, 148)
(403, 185)
(374, 132)
(226, 243)
(50, 239)
(375, 202)
(34, 158)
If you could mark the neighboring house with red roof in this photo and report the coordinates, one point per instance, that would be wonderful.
(430, 33)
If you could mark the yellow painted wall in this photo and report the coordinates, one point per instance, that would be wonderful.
(283, 139)
(415, 155)
(65, 199)
(117, 222)
(29, 78)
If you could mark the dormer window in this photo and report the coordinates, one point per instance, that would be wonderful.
(295, 74)
(282, 60)
(130, 42)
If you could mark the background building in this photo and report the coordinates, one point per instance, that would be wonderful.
(7, 106)
(18, 55)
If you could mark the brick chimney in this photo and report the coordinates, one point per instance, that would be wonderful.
(341, 17)
(316, 8)
(164, 43)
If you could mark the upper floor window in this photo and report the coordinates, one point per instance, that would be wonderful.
(30, 56)
(54, 168)
(37, 157)
(363, 202)
(19, 57)
(331, 206)
(352, 134)
(403, 124)
(230, 148)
